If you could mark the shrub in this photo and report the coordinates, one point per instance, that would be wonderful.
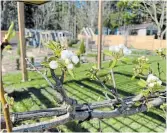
(71, 42)
(32, 60)
(82, 47)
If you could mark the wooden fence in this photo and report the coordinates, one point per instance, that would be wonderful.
(138, 42)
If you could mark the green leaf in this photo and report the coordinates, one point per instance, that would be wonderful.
(133, 77)
(125, 60)
(113, 63)
(146, 66)
(71, 73)
(135, 61)
(107, 52)
(142, 83)
(52, 58)
(78, 65)
(46, 64)
(11, 33)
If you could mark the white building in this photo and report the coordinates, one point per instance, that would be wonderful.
(139, 29)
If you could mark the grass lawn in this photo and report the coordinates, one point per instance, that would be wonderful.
(35, 94)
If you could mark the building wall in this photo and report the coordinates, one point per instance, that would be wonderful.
(142, 32)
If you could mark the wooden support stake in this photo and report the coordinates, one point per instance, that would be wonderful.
(20, 6)
(99, 43)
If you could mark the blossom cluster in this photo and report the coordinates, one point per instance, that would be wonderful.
(120, 47)
(68, 57)
(153, 81)
(142, 59)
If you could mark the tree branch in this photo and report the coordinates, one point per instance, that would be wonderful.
(44, 76)
(82, 115)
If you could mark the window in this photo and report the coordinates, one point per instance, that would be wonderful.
(154, 32)
(133, 32)
(148, 32)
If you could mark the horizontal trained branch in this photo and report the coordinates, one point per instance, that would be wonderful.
(20, 116)
(83, 115)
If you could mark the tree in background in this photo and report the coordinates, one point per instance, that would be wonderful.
(8, 14)
(157, 11)
(127, 15)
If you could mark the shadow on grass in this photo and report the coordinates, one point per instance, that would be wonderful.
(75, 127)
(26, 93)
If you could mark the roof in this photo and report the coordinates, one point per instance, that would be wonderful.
(140, 26)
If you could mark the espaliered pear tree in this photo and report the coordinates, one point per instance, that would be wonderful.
(152, 94)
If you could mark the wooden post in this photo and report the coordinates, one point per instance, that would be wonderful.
(99, 42)
(21, 22)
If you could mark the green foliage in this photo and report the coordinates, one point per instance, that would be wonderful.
(8, 47)
(72, 42)
(92, 73)
(142, 83)
(161, 52)
(126, 13)
(116, 57)
(11, 32)
(82, 49)
(141, 67)
(9, 100)
(55, 47)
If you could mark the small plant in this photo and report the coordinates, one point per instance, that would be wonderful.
(72, 42)
(32, 60)
(82, 47)
(17, 64)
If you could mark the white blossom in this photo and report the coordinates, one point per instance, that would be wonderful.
(151, 85)
(126, 51)
(66, 54)
(159, 82)
(70, 66)
(116, 49)
(153, 80)
(53, 64)
(75, 59)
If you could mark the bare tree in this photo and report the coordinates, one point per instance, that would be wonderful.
(157, 11)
